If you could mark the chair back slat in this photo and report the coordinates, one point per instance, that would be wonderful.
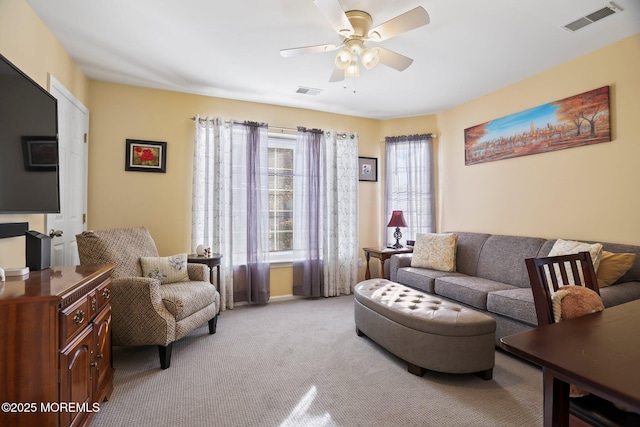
(548, 274)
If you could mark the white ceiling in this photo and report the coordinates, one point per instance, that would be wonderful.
(230, 49)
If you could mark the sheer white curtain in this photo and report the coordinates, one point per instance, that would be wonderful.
(409, 184)
(341, 270)
(211, 200)
(230, 195)
(326, 213)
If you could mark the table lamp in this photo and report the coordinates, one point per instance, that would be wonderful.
(397, 221)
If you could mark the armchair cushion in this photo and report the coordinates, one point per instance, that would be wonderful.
(182, 299)
(169, 269)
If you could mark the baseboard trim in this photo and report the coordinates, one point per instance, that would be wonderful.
(281, 298)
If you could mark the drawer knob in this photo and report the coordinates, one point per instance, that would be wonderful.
(106, 292)
(79, 317)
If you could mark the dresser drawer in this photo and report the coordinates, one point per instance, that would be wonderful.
(103, 294)
(74, 318)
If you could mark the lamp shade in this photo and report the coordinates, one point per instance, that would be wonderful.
(353, 70)
(397, 220)
(343, 58)
(370, 58)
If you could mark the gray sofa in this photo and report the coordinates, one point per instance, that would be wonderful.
(491, 276)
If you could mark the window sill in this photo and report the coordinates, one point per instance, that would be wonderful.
(281, 264)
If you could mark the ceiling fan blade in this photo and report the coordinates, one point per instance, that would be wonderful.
(287, 53)
(393, 59)
(337, 75)
(400, 24)
(332, 10)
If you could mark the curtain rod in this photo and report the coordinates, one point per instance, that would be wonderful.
(271, 128)
(431, 135)
(289, 130)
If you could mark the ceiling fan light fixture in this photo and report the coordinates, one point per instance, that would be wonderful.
(355, 28)
(343, 58)
(370, 58)
(353, 70)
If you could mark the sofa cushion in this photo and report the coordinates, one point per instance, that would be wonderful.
(167, 269)
(472, 291)
(435, 251)
(468, 251)
(514, 303)
(502, 259)
(620, 293)
(421, 278)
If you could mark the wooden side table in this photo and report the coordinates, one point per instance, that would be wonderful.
(211, 261)
(382, 254)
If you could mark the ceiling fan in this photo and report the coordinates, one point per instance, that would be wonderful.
(355, 29)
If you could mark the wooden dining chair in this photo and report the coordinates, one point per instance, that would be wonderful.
(546, 276)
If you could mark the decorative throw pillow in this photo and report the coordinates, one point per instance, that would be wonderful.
(567, 247)
(612, 267)
(435, 251)
(168, 269)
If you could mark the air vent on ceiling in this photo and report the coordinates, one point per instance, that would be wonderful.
(308, 91)
(593, 17)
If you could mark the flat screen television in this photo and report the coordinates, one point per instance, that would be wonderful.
(29, 165)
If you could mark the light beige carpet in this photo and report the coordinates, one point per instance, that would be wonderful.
(300, 363)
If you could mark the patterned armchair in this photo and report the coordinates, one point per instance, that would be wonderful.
(144, 311)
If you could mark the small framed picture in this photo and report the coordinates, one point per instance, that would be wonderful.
(146, 156)
(40, 153)
(367, 169)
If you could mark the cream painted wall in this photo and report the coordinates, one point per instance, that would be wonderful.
(581, 193)
(162, 202)
(586, 192)
(28, 44)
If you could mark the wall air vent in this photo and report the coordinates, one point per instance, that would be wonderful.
(593, 17)
(308, 91)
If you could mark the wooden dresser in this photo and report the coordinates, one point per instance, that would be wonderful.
(55, 346)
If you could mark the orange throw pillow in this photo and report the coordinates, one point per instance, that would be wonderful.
(612, 267)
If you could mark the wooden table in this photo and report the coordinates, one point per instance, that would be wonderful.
(598, 352)
(382, 254)
(211, 261)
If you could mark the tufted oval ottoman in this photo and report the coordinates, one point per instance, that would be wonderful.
(424, 330)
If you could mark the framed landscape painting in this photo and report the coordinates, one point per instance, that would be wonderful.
(571, 122)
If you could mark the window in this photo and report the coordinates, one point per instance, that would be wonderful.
(409, 185)
(281, 149)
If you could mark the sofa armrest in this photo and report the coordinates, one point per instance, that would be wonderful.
(396, 262)
(138, 314)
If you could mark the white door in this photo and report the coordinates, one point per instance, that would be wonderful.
(73, 129)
